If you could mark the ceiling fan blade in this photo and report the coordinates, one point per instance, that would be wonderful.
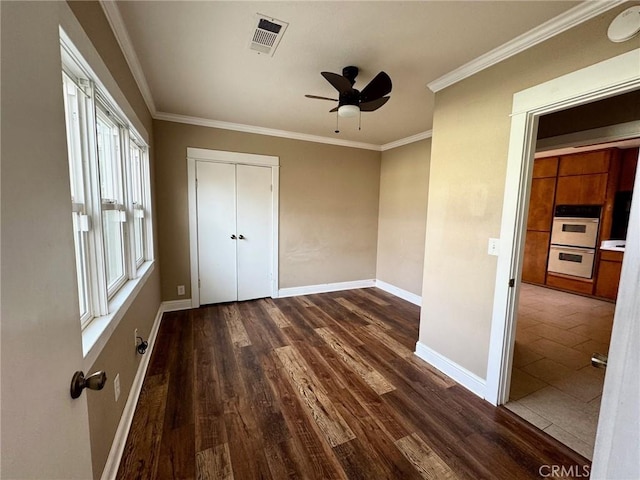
(377, 88)
(333, 110)
(338, 81)
(373, 104)
(321, 98)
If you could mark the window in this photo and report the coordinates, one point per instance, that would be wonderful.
(137, 202)
(110, 191)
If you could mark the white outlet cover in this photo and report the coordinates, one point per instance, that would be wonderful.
(494, 246)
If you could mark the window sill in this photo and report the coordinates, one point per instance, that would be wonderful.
(96, 335)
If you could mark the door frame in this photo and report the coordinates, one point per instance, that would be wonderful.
(608, 78)
(219, 156)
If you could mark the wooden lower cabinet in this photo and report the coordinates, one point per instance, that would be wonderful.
(609, 274)
(570, 283)
(536, 251)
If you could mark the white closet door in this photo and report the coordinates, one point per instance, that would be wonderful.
(216, 202)
(254, 207)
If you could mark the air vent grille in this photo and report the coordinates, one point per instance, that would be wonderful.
(267, 34)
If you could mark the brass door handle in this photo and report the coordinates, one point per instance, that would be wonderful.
(95, 381)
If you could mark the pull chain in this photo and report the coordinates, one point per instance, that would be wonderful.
(337, 130)
(359, 120)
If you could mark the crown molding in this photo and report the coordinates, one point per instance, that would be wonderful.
(114, 18)
(238, 127)
(407, 140)
(569, 19)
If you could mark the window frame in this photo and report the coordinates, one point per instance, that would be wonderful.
(105, 303)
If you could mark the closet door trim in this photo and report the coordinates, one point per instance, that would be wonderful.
(203, 155)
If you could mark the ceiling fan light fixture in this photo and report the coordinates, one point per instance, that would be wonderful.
(348, 111)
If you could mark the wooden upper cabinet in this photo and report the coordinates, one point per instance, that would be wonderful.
(541, 203)
(545, 167)
(582, 189)
(584, 163)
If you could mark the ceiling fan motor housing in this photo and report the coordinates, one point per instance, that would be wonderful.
(349, 98)
(350, 73)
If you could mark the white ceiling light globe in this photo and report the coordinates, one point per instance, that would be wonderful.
(348, 110)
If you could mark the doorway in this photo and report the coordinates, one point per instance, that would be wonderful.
(233, 225)
(611, 77)
(563, 319)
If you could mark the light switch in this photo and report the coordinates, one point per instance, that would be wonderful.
(494, 246)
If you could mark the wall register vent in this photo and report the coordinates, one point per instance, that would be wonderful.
(267, 34)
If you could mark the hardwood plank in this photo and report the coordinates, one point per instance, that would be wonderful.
(238, 333)
(275, 314)
(313, 395)
(140, 456)
(370, 318)
(177, 453)
(350, 357)
(214, 464)
(312, 452)
(209, 423)
(429, 465)
(369, 294)
(392, 344)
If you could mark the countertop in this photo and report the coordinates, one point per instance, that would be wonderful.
(613, 245)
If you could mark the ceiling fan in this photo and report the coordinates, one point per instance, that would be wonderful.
(352, 101)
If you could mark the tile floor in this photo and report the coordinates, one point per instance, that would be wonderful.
(553, 385)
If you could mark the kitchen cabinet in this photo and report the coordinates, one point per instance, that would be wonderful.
(587, 178)
(541, 204)
(545, 167)
(582, 189)
(536, 251)
(541, 201)
(585, 163)
(608, 278)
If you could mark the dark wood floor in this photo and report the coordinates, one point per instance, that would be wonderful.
(317, 387)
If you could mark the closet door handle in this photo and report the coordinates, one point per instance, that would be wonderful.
(241, 237)
(233, 237)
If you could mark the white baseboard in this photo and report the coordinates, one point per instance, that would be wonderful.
(175, 305)
(460, 374)
(117, 446)
(325, 287)
(399, 292)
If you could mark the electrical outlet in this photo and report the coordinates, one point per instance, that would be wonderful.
(180, 289)
(135, 337)
(116, 386)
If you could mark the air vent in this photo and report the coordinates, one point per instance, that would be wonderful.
(267, 34)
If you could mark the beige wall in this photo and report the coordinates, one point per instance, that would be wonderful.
(466, 187)
(328, 205)
(404, 183)
(40, 340)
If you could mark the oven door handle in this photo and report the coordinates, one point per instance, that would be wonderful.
(573, 249)
(576, 220)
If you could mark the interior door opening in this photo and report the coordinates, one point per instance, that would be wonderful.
(565, 314)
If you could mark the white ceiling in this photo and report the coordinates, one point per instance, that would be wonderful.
(196, 59)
